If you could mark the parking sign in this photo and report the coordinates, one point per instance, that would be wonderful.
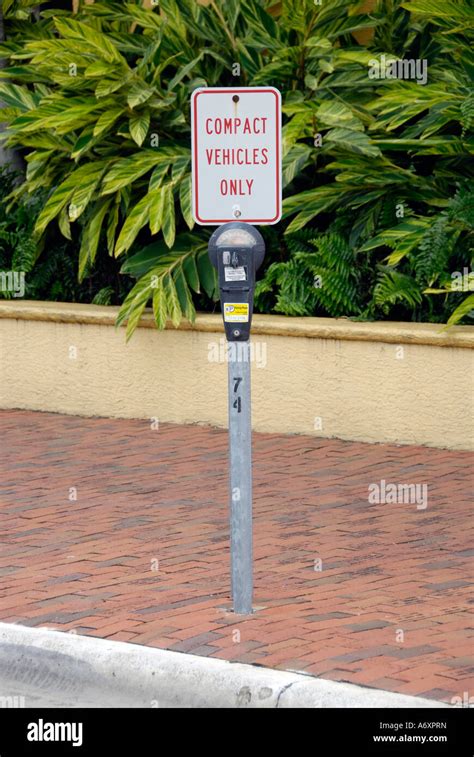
(236, 155)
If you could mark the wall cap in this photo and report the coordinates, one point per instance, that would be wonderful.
(275, 325)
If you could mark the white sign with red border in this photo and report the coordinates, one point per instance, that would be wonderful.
(236, 155)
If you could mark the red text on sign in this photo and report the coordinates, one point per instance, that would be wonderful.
(236, 187)
(236, 125)
(240, 156)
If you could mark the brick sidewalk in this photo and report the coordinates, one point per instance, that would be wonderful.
(374, 594)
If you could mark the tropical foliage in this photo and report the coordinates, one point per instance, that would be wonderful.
(49, 274)
(377, 211)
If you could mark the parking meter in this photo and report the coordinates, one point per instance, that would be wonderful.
(236, 250)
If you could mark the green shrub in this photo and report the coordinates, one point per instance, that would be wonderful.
(49, 268)
(99, 102)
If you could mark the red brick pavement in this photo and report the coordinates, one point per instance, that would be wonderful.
(373, 594)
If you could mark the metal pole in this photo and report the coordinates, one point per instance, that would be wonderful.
(240, 455)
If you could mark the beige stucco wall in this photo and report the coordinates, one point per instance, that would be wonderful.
(404, 383)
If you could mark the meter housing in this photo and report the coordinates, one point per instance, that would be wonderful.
(237, 251)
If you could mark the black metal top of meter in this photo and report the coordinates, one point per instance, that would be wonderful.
(237, 250)
(237, 234)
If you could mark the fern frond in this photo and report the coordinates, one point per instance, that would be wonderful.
(103, 296)
(394, 288)
(434, 251)
(461, 207)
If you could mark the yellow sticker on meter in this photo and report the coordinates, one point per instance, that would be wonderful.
(236, 311)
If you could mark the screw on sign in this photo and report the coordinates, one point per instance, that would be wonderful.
(236, 159)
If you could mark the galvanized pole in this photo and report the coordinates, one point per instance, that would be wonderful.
(240, 454)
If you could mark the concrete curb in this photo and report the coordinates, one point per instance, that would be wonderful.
(56, 669)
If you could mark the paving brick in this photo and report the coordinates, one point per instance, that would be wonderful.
(404, 652)
(370, 624)
(438, 694)
(187, 645)
(144, 497)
